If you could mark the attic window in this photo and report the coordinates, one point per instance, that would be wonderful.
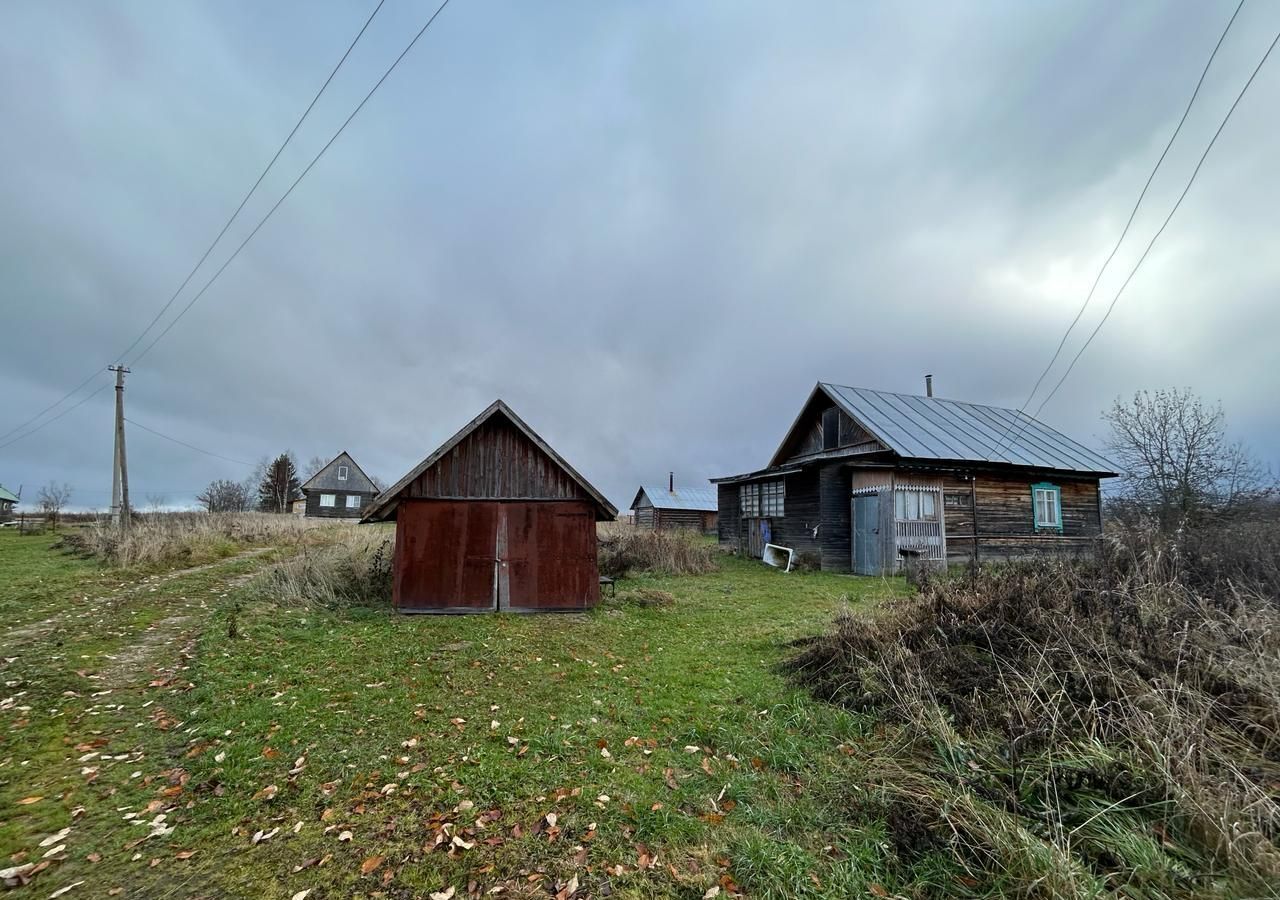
(831, 429)
(342, 473)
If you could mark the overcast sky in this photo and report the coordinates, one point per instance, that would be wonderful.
(650, 227)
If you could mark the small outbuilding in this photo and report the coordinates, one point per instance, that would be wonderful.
(340, 490)
(658, 509)
(494, 519)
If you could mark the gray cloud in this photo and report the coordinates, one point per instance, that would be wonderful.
(649, 228)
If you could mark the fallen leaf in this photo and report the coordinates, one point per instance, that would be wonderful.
(27, 801)
(713, 891)
(184, 854)
(267, 793)
(345, 836)
(446, 894)
(301, 895)
(370, 864)
(62, 890)
(877, 889)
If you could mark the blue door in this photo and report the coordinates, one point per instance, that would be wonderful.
(866, 534)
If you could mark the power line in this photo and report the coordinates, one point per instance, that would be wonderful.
(1165, 224)
(158, 434)
(221, 233)
(296, 182)
(53, 405)
(1132, 215)
(47, 422)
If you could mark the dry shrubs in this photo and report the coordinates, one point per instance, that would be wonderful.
(354, 570)
(1068, 729)
(676, 552)
(183, 538)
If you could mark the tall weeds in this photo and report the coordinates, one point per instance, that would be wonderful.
(353, 570)
(676, 552)
(1065, 729)
(185, 538)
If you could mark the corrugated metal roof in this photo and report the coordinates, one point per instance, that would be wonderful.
(932, 428)
(6, 494)
(700, 499)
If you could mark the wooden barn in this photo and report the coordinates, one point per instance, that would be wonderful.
(659, 508)
(868, 480)
(494, 519)
(340, 490)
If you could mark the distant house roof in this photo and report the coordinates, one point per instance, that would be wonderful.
(917, 427)
(7, 495)
(695, 498)
(327, 478)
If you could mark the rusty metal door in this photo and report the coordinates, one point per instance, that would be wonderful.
(446, 555)
(549, 560)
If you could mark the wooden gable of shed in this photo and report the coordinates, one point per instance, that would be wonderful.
(823, 427)
(494, 457)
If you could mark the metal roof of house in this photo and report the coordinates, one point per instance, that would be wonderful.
(700, 499)
(327, 478)
(917, 427)
(6, 494)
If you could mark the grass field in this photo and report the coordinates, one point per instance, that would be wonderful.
(199, 742)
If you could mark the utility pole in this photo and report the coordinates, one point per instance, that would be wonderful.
(120, 469)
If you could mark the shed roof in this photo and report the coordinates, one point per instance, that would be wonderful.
(6, 494)
(695, 498)
(385, 504)
(916, 427)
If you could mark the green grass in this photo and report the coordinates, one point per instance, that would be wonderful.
(768, 800)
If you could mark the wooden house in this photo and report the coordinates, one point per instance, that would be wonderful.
(867, 480)
(8, 500)
(659, 508)
(494, 519)
(340, 490)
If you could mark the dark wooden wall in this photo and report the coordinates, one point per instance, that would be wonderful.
(835, 536)
(1006, 522)
(794, 529)
(339, 510)
(495, 462)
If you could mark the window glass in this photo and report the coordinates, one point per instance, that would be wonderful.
(353, 501)
(342, 473)
(749, 500)
(772, 498)
(914, 505)
(928, 505)
(1046, 501)
(327, 499)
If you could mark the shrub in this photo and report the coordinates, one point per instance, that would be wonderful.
(677, 552)
(1070, 728)
(354, 570)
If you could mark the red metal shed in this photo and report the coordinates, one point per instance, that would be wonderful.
(493, 520)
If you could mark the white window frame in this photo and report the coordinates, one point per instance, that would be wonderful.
(909, 504)
(328, 500)
(1041, 496)
(342, 473)
(353, 501)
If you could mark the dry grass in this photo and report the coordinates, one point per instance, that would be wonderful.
(626, 549)
(187, 538)
(1069, 729)
(352, 570)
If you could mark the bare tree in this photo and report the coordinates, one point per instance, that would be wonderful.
(52, 498)
(224, 495)
(1177, 463)
(157, 502)
(314, 465)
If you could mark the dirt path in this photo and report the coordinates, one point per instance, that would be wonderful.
(92, 612)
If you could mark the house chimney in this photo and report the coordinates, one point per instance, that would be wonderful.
(671, 482)
(928, 385)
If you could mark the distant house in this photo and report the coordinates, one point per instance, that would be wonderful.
(340, 490)
(494, 519)
(660, 508)
(867, 480)
(8, 500)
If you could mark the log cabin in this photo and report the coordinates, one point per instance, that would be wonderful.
(658, 509)
(493, 520)
(868, 481)
(340, 490)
